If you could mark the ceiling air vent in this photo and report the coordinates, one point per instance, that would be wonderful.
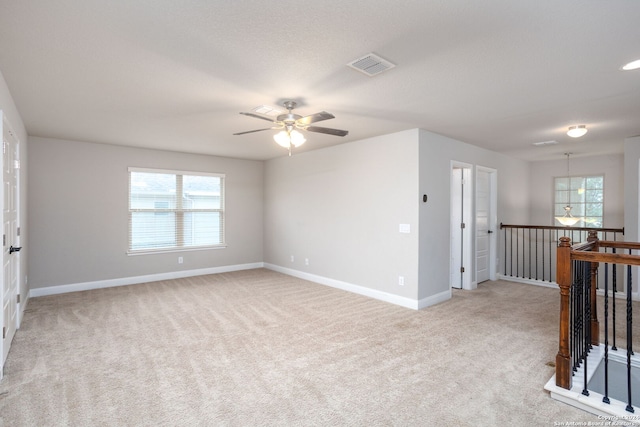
(267, 110)
(371, 64)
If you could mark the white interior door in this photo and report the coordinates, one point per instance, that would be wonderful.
(10, 241)
(483, 214)
(460, 267)
(486, 223)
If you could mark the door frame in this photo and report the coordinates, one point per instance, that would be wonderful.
(493, 220)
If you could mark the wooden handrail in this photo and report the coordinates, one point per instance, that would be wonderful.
(622, 245)
(589, 252)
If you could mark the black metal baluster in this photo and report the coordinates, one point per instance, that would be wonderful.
(605, 399)
(586, 286)
(517, 252)
(522, 257)
(529, 254)
(505, 252)
(629, 408)
(511, 257)
(542, 255)
(537, 277)
(615, 290)
(573, 317)
(551, 232)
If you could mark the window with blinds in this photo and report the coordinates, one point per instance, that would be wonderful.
(173, 210)
(585, 195)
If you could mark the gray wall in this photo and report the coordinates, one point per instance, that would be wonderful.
(631, 176)
(611, 166)
(78, 212)
(341, 207)
(436, 154)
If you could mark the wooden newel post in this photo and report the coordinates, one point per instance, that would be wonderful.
(595, 325)
(563, 277)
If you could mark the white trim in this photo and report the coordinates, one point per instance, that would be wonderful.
(528, 281)
(175, 172)
(357, 289)
(124, 281)
(137, 252)
(434, 299)
(635, 296)
(362, 290)
(619, 295)
(592, 403)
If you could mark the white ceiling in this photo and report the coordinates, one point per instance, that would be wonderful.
(500, 74)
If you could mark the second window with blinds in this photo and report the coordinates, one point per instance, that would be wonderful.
(175, 210)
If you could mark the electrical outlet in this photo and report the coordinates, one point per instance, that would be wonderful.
(306, 261)
(180, 260)
(401, 280)
(292, 258)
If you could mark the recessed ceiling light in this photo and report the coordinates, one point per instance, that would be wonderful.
(577, 131)
(633, 65)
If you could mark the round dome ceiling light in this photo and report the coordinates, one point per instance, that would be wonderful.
(633, 65)
(577, 131)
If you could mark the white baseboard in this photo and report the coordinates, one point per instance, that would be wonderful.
(362, 290)
(635, 296)
(528, 281)
(75, 287)
(357, 289)
(434, 299)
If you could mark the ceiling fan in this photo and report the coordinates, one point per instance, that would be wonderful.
(290, 123)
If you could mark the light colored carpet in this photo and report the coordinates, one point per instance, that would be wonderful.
(259, 348)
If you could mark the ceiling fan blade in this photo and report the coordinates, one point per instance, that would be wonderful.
(251, 131)
(323, 115)
(336, 132)
(258, 117)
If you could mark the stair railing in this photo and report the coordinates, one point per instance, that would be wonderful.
(579, 327)
(529, 251)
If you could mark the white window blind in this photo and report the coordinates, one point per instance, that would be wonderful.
(173, 210)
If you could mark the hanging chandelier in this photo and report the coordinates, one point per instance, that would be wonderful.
(567, 219)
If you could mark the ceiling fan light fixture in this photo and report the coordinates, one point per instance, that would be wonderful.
(286, 139)
(282, 138)
(577, 131)
(297, 139)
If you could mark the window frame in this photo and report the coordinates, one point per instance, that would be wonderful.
(179, 212)
(582, 202)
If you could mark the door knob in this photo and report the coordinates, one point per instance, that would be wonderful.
(14, 249)
(489, 231)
